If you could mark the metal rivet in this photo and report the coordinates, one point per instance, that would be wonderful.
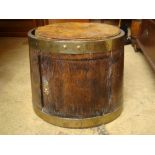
(46, 91)
(64, 46)
(78, 46)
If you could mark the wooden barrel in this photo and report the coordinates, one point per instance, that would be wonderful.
(77, 73)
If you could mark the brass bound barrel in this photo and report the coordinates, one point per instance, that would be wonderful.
(77, 73)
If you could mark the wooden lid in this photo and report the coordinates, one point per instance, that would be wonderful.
(76, 31)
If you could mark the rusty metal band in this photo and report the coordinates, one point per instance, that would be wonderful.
(75, 46)
(78, 123)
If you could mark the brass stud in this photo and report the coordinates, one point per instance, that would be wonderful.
(78, 46)
(45, 86)
(46, 91)
(64, 46)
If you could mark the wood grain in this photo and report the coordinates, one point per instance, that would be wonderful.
(75, 85)
(76, 30)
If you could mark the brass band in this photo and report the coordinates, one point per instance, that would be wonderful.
(78, 123)
(75, 46)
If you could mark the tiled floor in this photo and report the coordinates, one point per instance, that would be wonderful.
(16, 113)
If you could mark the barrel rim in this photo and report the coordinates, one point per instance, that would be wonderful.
(76, 46)
(31, 35)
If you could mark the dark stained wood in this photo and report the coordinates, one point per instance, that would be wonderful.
(135, 28)
(135, 32)
(146, 40)
(19, 27)
(36, 84)
(81, 88)
(51, 21)
(77, 85)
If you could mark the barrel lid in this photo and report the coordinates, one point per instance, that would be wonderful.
(76, 31)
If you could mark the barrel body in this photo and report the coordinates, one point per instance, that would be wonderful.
(82, 88)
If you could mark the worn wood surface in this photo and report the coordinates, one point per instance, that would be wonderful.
(77, 85)
(76, 30)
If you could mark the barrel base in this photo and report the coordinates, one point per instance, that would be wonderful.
(78, 123)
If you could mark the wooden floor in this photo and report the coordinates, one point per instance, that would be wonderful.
(16, 113)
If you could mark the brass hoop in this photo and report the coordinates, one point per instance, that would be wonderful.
(78, 123)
